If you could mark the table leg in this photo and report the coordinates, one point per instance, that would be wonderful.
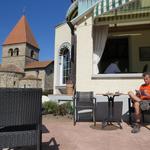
(110, 113)
(107, 120)
(112, 108)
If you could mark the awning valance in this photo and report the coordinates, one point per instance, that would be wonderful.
(73, 7)
(105, 6)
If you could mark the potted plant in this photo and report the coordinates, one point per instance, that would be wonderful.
(69, 87)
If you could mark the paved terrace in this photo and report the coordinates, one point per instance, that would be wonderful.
(60, 134)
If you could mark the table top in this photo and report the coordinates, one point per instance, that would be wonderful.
(111, 94)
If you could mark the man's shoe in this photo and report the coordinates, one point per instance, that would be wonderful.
(136, 128)
(104, 124)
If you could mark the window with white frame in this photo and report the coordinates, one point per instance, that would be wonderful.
(120, 50)
(66, 66)
(65, 63)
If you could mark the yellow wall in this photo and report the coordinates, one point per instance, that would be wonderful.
(145, 3)
(62, 35)
(85, 80)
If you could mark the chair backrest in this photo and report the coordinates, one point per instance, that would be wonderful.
(20, 106)
(84, 96)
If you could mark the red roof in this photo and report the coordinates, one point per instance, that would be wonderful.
(10, 68)
(38, 64)
(21, 33)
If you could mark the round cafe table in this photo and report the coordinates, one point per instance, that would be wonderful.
(109, 119)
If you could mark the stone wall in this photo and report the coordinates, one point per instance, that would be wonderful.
(27, 83)
(39, 74)
(19, 60)
(49, 77)
(30, 48)
(9, 79)
(46, 75)
(24, 56)
(28, 60)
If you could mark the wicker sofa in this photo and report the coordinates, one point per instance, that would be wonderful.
(131, 110)
(20, 117)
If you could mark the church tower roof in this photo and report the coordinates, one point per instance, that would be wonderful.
(21, 33)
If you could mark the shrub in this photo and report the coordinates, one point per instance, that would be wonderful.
(69, 108)
(50, 107)
(65, 108)
(62, 109)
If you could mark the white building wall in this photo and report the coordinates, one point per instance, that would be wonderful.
(62, 35)
(84, 81)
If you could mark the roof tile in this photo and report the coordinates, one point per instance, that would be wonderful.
(38, 64)
(10, 68)
(21, 33)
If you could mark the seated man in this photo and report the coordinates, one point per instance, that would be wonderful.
(142, 94)
(113, 67)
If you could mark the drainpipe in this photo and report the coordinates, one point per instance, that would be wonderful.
(73, 55)
(71, 27)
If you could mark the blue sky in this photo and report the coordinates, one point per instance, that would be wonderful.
(42, 16)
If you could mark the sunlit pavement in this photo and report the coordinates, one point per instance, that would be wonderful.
(60, 134)
(63, 135)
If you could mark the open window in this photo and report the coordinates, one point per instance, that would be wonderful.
(10, 52)
(116, 49)
(16, 51)
(127, 44)
(120, 32)
(32, 54)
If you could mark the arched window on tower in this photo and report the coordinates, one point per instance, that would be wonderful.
(10, 52)
(16, 51)
(32, 54)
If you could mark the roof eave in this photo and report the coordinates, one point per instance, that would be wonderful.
(21, 43)
(89, 10)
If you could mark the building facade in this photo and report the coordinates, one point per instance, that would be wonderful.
(103, 31)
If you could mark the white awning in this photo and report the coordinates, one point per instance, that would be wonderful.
(105, 6)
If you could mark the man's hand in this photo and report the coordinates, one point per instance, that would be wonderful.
(138, 93)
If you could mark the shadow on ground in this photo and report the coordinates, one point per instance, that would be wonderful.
(51, 145)
(44, 129)
(108, 127)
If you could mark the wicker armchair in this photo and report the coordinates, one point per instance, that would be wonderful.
(20, 117)
(84, 102)
(131, 110)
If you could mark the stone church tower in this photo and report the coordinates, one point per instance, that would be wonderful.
(20, 47)
(20, 61)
